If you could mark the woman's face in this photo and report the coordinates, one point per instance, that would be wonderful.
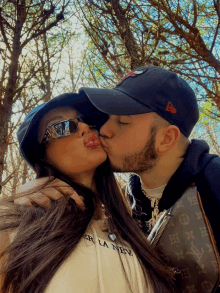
(74, 155)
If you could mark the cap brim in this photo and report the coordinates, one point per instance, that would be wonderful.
(114, 102)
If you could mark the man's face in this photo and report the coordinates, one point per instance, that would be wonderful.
(129, 142)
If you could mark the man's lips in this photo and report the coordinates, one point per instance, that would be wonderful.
(92, 141)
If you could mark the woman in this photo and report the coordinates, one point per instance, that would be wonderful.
(94, 246)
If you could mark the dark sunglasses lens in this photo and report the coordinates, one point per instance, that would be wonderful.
(73, 126)
(60, 128)
(64, 128)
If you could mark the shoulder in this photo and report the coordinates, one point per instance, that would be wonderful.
(208, 182)
(211, 175)
(208, 185)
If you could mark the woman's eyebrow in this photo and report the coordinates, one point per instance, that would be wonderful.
(55, 118)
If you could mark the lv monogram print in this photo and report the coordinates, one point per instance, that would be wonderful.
(187, 245)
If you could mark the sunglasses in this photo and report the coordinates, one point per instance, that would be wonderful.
(61, 129)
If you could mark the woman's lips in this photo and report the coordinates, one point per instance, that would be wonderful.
(92, 141)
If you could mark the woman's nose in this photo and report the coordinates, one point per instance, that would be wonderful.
(83, 128)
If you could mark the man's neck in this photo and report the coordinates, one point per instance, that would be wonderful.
(161, 173)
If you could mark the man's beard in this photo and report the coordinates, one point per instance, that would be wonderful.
(143, 161)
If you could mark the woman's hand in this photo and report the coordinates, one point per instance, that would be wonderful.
(40, 192)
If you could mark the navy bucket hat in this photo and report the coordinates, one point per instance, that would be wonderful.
(27, 133)
(150, 89)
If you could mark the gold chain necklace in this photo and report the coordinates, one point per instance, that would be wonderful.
(155, 213)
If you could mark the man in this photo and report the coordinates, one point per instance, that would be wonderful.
(152, 113)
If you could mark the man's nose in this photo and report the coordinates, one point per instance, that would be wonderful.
(106, 130)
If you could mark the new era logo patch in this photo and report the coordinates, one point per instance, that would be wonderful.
(170, 108)
(133, 74)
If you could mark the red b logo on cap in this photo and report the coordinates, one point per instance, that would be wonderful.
(133, 74)
(170, 108)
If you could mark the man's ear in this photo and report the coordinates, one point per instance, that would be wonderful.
(167, 138)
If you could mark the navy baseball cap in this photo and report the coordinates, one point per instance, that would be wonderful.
(27, 133)
(150, 89)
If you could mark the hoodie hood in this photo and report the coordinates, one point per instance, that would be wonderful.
(196, 159)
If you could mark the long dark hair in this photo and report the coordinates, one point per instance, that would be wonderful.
(46, 236)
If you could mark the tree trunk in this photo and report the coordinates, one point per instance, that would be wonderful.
(6, 106)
